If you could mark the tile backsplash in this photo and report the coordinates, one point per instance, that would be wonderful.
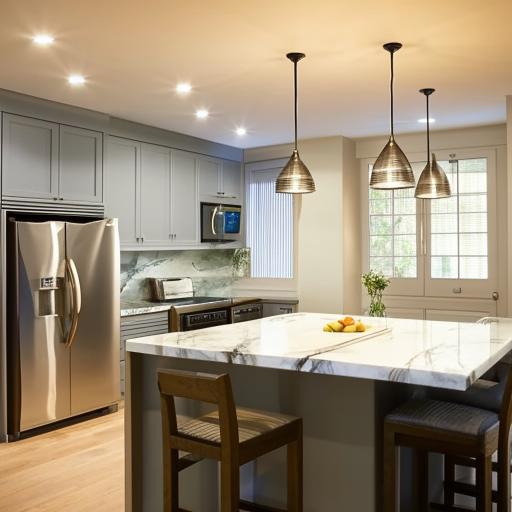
(213, 272)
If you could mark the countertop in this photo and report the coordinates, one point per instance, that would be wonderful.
(449, 355)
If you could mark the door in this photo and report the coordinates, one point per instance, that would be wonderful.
(30, 158)
(184, 205)
(43, 356)
(94, 249)
(154, 195)
(231, 180)
(209, 178)
(80, 165)
(122, 182)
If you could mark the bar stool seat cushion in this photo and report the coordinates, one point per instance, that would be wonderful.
(251, 424)
(446, 417)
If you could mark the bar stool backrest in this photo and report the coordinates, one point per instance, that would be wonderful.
(203, 387)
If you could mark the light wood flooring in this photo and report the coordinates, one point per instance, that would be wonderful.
(75, 469)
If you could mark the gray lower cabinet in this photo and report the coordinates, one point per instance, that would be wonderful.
(278, 308)
(46, 160)
(137, 326)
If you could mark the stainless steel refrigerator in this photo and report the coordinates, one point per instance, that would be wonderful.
(62, 320)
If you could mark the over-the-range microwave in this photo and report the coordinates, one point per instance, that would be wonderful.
(220, 222)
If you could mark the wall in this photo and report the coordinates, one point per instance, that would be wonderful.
(509, 200)
(213, 272)
(321, 217)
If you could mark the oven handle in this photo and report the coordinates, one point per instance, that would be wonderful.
(214, 213)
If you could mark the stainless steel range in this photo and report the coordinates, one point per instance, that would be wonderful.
(189, 312)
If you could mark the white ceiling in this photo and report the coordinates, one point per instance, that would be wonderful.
(134, 53)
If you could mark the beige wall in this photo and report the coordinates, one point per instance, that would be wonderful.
(509, 200)
(321, 236)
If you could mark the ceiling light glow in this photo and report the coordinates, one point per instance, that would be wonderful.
(43, 39)
(424, 120)
(202, 113)
(241, 131)
(76, 79)
(183, 88)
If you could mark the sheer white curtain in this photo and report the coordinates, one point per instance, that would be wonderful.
(269, 225)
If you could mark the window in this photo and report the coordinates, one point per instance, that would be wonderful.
(439, 247)
(269, 221)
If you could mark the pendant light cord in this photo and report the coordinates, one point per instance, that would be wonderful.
(428, 131)
(295, 98)
(391, 92)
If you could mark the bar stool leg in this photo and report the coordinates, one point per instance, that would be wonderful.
(484, 484)
(229, 487)
(171, 480)
(294, 463)
(449, 478)
(390, 467)
(421, 457)
(504, 477)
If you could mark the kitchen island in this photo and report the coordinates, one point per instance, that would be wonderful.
(341, 386)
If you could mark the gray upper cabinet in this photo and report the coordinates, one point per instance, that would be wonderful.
(30, 158)
(219, 180)
(231, 180)
(49, 161)
(154, 195)
(184, 205)
(122, 183)
(80, 165)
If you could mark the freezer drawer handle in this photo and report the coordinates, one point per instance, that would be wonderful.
(75, 299)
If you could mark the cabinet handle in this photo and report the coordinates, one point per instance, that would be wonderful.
(61, 199)
(55, 198)
(142, 239)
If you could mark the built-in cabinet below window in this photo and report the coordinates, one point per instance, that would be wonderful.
(48, 161)
(154, 192)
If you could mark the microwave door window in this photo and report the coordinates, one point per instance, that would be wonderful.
(231, 222)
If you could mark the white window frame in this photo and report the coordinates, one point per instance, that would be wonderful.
(260, 284)
(424, 285)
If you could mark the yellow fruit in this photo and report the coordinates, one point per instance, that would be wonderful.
(327, 328)
(335, 326)
(360, 327)
(350, 328)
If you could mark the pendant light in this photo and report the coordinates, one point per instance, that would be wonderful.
(433, 182)
(392, 169)
(295, 177)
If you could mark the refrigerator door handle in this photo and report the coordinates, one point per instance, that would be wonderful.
(75, 300)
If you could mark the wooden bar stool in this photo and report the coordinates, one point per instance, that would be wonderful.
(231, 435)
(458, 431)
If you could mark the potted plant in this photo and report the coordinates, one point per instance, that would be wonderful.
(375, 284)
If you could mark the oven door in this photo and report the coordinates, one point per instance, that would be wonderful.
(220, 222)
(203, 319)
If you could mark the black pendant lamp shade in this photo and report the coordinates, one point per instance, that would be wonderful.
(392, 170)
(433, 182)
(295, 177)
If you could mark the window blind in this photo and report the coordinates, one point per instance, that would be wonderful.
(269, 218)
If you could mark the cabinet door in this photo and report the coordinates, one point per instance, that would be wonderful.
(184, 204)
(231, 180)
(30, 157)
(154, 195)
(80, 165)
(122, 177)
(209, 179)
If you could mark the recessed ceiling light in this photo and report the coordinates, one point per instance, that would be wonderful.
(241, 131)
(202, 113)
(76, 79)
(43, 39)
(424, 120)
(183, 88)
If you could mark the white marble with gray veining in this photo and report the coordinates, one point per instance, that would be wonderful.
(132, 308)
(447, 355)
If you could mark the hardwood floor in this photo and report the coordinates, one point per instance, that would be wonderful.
(78, 468)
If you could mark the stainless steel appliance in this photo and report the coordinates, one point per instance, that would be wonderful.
(62, 332)
(220, 222)
(246, 312)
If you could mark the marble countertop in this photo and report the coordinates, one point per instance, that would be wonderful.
(447, 355)
(141, 307)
